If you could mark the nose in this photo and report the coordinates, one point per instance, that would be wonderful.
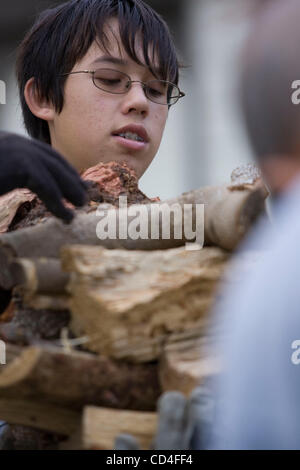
(135, 100)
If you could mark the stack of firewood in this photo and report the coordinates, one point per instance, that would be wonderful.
(97, 329)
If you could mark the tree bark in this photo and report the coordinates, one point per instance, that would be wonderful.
(47, 387)
(228, 216)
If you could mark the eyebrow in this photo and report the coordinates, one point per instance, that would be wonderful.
(111, 59)
(118, 61)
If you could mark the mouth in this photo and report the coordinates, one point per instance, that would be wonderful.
(133, 136)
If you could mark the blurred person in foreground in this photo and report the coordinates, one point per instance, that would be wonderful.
(257, 404)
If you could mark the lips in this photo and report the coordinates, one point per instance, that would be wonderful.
(134, 129)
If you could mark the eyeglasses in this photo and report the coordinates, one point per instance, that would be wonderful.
(118, 83)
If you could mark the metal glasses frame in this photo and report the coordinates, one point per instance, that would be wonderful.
(145, 85)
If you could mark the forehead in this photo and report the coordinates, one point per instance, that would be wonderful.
(114, 47)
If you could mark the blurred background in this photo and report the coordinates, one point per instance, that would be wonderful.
(205, 137)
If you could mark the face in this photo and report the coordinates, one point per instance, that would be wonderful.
(84, 131)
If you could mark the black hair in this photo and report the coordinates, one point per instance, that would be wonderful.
(62, 35)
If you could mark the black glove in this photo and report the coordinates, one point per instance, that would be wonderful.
(31, 164)
(5, 298)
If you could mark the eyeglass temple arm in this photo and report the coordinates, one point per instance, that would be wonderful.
(81, 71)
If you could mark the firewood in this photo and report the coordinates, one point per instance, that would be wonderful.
(32, 275)
(53, 302)
(17, 437)
(29, 326)
(190, 359)
(228, 215)
(183, 365)
(135, 306)
(46, 387)
(101, 426)
(107, 182)
(43, 416)
(128, 302)
(10, 204)
(114, 179)
(43, 275)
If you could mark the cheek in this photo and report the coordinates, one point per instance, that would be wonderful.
(160, 120)
(86, 109)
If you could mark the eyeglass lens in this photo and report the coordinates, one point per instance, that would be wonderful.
(113, 81)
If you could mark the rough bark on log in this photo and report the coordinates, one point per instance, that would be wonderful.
(17, 437)
(43, 275)
(228, 216)
(229, 211)
(25, 325)
(46, 417)
(127, 302)
(22, 208)
(10, 204)
(47, 387)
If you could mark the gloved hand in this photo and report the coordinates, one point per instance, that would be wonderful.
(31, 164)
(5, 298)
(182, 423)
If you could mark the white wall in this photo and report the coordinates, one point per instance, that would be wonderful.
(10, 113)
(206, 138)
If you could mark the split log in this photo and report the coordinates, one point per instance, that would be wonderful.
(10, 204)
(127, 302)
(184, 366)
(190, 359)
(47, 387)
(101, 426)
(228, 216)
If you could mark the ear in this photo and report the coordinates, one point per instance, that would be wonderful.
(39, 107)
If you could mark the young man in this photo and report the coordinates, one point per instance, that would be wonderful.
(96, 80)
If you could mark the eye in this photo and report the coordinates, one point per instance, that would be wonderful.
(108, 81)
(157, 88)
(154, 92)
